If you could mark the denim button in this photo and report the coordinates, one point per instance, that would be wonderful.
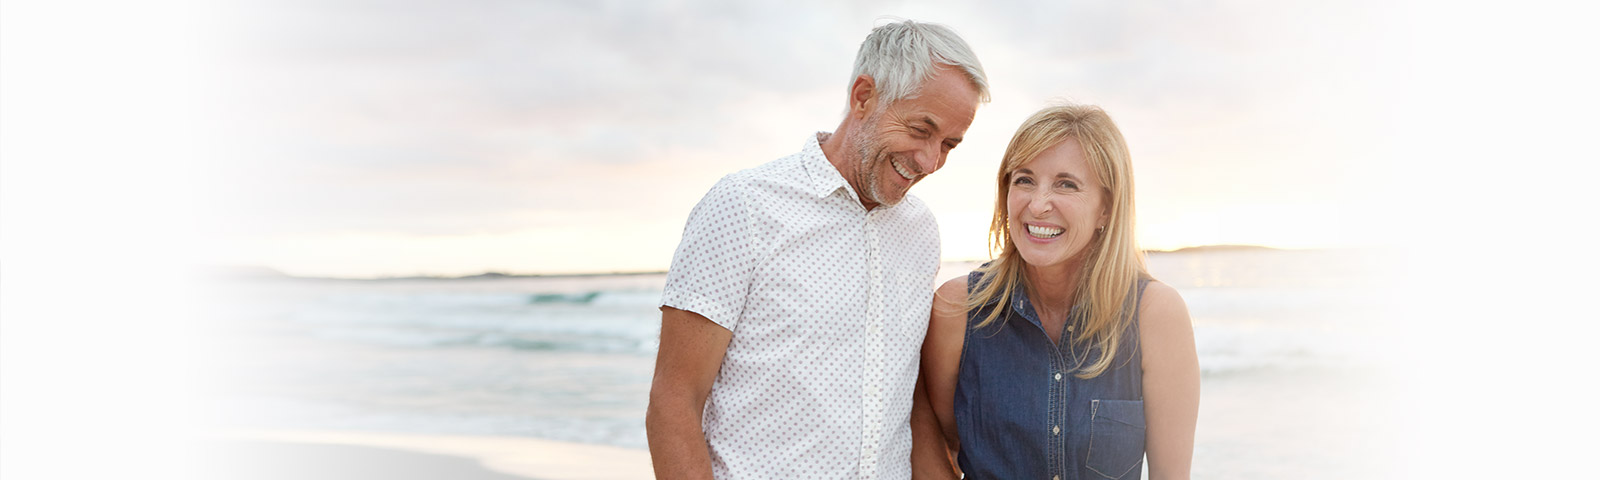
(1058, 377)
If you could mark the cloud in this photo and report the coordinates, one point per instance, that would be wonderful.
(432, 117)
(419, 115)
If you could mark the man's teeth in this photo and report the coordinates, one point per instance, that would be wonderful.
(1044, 232)
(901, 170)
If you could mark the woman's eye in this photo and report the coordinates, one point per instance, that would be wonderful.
(1022, 181)
(1066, 185)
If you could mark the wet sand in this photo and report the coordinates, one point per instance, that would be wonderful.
(261, 460)
(318, 455)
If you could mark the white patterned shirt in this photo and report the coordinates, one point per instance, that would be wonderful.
(828, 304)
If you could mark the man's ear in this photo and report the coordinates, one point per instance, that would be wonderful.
(863, 95)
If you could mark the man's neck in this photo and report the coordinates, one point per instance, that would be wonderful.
(833, 148)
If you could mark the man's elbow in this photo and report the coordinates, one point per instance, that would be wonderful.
(669, 409)
(654, 414)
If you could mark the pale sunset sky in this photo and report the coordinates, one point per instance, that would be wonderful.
(357, 138)
(441, 138)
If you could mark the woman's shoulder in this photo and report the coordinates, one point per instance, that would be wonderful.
(950, 301)
(951, 294)
(1162, 308)
(956, 286)
(1158, 292)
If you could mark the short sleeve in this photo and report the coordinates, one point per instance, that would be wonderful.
(712, 268)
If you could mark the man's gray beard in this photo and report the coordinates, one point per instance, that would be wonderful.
(869, 148)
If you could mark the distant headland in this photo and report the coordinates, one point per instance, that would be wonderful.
(264, 273)
(1215, 248)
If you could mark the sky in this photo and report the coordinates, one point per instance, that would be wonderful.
(357, 138)
(431, 137)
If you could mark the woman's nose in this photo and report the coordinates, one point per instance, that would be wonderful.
(1039, 203)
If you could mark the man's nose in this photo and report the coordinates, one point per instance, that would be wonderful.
(928, 159)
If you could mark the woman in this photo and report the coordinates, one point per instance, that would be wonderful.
(1061, 358)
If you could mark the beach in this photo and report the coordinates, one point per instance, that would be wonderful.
(1248, 430)
(315, 455)
(548, 377)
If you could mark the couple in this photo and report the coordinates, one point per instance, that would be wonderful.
(796, 336)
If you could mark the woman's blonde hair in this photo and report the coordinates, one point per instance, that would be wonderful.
(1114, 262)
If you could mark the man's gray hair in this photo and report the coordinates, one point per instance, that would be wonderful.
(900, 56)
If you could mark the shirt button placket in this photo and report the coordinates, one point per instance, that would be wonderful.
(872, 396)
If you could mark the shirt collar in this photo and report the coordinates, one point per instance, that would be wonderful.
(825, 178)
(1022, 306)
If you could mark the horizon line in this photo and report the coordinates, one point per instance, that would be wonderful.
(261, 272)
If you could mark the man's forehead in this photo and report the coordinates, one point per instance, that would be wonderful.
(939, 114)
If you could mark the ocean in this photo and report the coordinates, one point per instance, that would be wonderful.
(1295, 358)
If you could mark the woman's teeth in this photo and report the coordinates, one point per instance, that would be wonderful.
(1044, 232)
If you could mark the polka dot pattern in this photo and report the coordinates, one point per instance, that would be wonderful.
(828, 303)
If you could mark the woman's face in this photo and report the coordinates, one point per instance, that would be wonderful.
(1054, 206)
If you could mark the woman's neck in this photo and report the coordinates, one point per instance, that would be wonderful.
(1051, 288)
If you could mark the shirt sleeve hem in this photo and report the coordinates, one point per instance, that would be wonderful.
(690, 302)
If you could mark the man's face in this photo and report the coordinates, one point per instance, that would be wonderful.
(903, 142)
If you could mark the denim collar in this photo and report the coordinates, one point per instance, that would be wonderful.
(1022, 306)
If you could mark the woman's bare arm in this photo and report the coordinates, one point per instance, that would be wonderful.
(1171, 381)
(934, 430)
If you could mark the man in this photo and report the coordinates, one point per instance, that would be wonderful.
(796, 304)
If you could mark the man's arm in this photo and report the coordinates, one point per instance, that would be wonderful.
(687, 363)
(930, 454)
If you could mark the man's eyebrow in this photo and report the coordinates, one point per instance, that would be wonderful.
(935, 126)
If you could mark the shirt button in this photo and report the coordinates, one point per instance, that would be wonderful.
(1056, 430)
(872, 390)
(873, 329)
(1058, 377)
(1057, 477)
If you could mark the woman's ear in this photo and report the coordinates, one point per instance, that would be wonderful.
(1105, 207)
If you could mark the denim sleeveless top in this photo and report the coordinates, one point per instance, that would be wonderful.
(1021, 413)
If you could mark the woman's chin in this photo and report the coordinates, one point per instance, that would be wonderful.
(1036, 257)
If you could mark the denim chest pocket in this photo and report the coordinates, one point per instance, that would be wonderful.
(1116, 437)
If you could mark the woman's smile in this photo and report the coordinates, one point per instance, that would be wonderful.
(1044, 232)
